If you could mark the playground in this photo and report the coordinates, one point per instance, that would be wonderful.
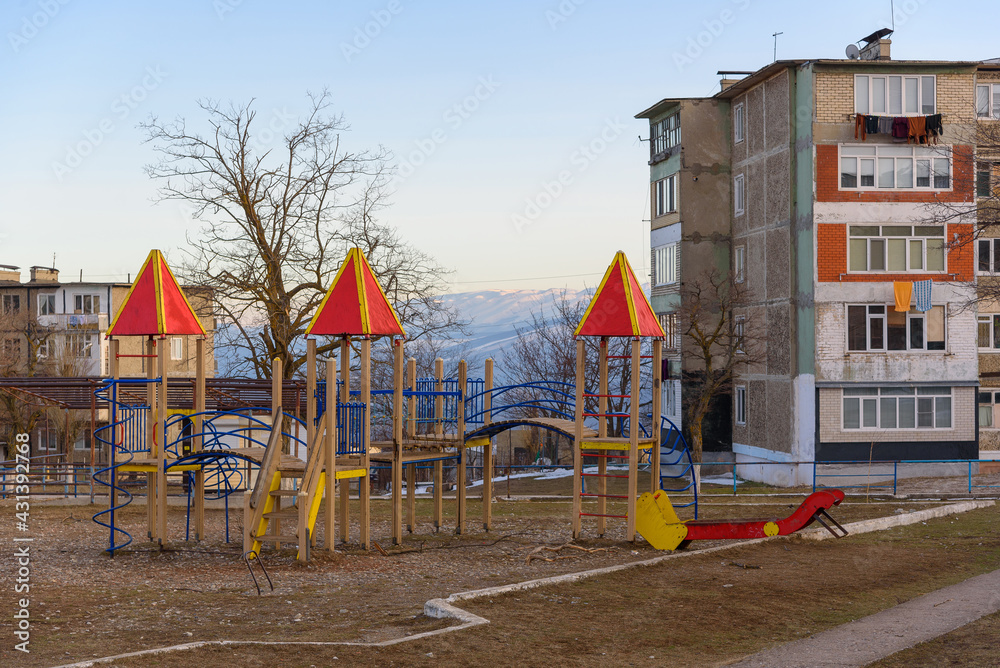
(88, 606)
(259, 524)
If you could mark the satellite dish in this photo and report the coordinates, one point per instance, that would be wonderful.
(853, 52)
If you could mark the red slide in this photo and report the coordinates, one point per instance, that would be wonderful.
(813, 508)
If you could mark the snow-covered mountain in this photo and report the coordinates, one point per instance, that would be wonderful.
(495, 315)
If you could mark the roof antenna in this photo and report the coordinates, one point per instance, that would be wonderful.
(892, 15)
(775, 36)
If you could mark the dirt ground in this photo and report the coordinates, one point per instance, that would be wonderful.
(84, 604)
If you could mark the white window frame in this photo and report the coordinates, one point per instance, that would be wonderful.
(87, 304)
(739, 121)
(871, 405)
(877, 246)
(81, 345)
(988, 256)
(665, 264)
(47, 304)
(665, 192)
(739, 194)
(988, 100)
(739, 334)
(866, 85)
(44, 350)
(988, 398)
(739, 263)
(857, 159)
(877, 316)
(664, 134)
(988, 329)
(740, 404)
(176, 348)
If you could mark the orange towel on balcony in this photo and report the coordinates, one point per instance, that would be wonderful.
(903, 292)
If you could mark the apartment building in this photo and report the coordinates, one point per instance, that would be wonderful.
(56, 328)
(855, 252)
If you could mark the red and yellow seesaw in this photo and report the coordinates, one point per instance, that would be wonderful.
(657, 522)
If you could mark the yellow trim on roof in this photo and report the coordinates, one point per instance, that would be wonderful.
(627, 284)
(359, 277)
(128, 296)
(593, 300)
(326, 297)
(184, 297)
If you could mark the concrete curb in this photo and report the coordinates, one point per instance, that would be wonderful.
(439, 608)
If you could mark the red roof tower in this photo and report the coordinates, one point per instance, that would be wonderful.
(155, 304)
(619, 307)
(355, 304)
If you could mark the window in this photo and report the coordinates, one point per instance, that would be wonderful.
(896, 248)
(739, 264)
(897, 408)
(176, 348)
(10, 352)
(11, 303)
(47, 439)
(738, 194)
(666, 195)
(46, 304)
(988, 256)
(989, 332)
(664, 135)
(894, 94)
(988, 101)
(739, 332)
(87, 304)
(738, 123)
(665, 264)
(740, 401)
(668, 321)
(80, 345)
(44, 349)
(903, 167)
(876, 327)
(987, 405)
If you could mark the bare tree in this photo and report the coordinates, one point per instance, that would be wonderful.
(545, 350)
(278, 222)
(720, 340)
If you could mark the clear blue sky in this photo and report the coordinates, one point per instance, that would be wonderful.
(551, 77)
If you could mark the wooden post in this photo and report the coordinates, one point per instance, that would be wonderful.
(199, 441)
(345, 398)
(161, 430)
(602, 432)
(330, 456)
(488, 448)
(439, 432)
(397, 444)
(581, 359)
(112, 415)
(463, 375)
(657, 410)
(277, 373)
(633, 433)
(411, 402)
(364, 483)
(310, 393)
(151, 423)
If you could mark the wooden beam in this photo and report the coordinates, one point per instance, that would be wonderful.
(397, 444)
(602, 432)
(330, 456)
(463, 377)
(199, 440)
(657, 412)
(633, 432)
(345, 397)
(277, 418)
(438, 431)
(581, 360)
(488, 448)
(161, 430)
(365, 483)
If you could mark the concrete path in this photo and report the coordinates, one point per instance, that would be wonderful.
(880, 635)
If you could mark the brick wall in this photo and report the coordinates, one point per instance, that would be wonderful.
(828, 181)
(963, 408)
(831, 258)
(835, 96)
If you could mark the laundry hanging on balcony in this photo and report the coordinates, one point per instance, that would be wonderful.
(903, 291)
(911, 129)
(922, 294)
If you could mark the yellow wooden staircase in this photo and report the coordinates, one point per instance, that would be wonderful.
(264, 516)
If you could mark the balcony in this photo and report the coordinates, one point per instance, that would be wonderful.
(97, 322)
